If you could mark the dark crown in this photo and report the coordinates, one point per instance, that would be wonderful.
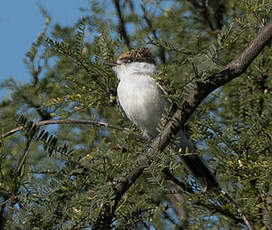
(137, 55)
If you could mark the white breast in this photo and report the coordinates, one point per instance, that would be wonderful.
(143, 102)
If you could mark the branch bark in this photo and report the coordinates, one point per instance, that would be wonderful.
(201, 90)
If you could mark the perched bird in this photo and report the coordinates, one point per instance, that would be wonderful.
(144, 102)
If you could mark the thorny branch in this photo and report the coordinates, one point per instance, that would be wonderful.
(201, 90)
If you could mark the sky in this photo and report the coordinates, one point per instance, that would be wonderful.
(20, 24)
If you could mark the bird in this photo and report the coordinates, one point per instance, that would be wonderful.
(144, 102)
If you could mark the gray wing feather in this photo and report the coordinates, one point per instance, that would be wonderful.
(121, 109)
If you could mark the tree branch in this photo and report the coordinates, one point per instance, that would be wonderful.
(77, 122)
(203, 11)
(238, 210)
(201, 90)
(150, 25)
(44, 114)
(217, 8)
(212, 207)
(169, 176)
(218, 209)
(122, 26)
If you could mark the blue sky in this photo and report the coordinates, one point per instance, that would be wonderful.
(20, 24)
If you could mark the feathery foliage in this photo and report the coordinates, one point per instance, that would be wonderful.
(231, 129)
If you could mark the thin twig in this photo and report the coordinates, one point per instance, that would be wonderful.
(217, 8)
(150, 25)
(239, 211)
(22, 159)
(4, 202)
(75, 122)
(122, 26)
(181, 184)
(203, 11)
(211, 206)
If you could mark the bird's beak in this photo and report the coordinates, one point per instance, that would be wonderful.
(111, 64)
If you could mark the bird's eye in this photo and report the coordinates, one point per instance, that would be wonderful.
(128, 60)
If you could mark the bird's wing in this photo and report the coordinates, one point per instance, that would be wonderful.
(121, 109)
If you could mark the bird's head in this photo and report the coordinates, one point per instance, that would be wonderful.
(136, 61)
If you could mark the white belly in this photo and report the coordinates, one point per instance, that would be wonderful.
(143, 102)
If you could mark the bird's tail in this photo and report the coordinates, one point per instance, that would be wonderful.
(201, 172)
(195, 164)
